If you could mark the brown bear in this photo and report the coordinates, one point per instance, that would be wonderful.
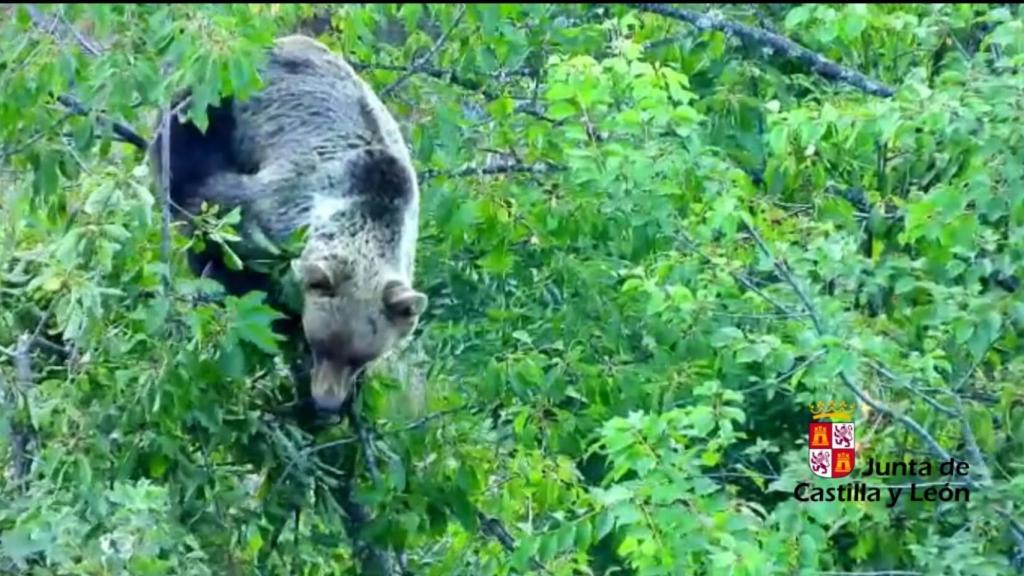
(314, 149)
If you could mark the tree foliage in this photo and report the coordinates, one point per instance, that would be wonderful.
(650, 241)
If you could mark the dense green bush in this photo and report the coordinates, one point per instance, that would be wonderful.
(648, 247)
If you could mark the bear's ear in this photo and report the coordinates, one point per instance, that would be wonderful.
(402, 302)
(313, 275)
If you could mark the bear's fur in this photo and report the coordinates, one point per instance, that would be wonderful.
(313, 148)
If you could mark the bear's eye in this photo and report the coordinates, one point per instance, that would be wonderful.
(320, 286)
(316, 278)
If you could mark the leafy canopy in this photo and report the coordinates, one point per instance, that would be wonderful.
(647, 247)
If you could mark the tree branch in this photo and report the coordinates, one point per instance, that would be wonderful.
(817, 63)
(25, 437)
(123, 131)
(875, 573)
(372, 560)
(746, 282)
(426, 57)
(510, 168)
(40, 21)
(365, 440)
(165, 191)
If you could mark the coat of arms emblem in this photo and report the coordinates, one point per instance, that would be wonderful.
(830, 444)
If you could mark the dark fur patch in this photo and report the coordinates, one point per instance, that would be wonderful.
(381, 179)
(196, 155)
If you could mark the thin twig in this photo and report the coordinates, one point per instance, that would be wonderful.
(24, 434)
(372, 559)
(783, 310)
(756, 316)
(310, 451)
(21, 147)
(39, 21)
(365, 439)
(165, 188)
(123, 131)
(817, 63)
(875, 573)
(511, 168)
(87, 44)
(422, 62)
(913, 389)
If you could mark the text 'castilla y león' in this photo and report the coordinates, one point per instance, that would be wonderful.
(858, 491)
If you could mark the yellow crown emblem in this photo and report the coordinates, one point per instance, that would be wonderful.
(841, 411)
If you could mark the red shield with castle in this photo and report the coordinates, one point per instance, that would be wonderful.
(831, 449)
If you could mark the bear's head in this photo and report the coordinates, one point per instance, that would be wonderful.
(351, 316)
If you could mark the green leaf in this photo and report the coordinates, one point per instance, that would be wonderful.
(231, 362)
(725, 336)
(156, 315)
(46, 177)
(548, 548)
(751, 353)
(605, 523)
(584, 534)
(561, 110)
(565, 536)
(797, 16)
(560, 92)
(463, 510)
(254, 543)
(158, 465)
(19, 544)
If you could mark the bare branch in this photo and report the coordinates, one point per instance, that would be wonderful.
(881, 369)
(429, 418)
(426, 57)
(493, 528)
(123, 131)
(18, 149)
(819, 327)
(817, 63)
(784, 311)
(365, 440)
(510, 168)
(86, 43)
(977, 460)
(875, 573)
(24, 436)
(40, 21)
(165, 192)
(373, 560)
(312, 450)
